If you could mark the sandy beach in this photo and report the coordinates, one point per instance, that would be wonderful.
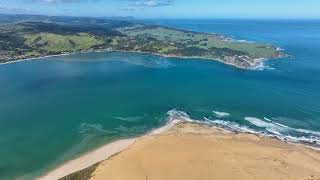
(99, 155)
(35, 58)
(190, 151)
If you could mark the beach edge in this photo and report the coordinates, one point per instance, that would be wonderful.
(99, 154)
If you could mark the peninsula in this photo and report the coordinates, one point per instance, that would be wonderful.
(38, 36)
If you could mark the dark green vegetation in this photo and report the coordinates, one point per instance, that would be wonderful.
(36, 36)
(84, 174)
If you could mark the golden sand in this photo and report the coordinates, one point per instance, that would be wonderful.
(195, 152)
(98, 155)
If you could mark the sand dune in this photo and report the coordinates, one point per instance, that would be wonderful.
(194, 152)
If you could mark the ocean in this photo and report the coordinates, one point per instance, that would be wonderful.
(57, 108)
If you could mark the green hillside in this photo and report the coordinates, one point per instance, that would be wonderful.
(62, 43)
(36, 38)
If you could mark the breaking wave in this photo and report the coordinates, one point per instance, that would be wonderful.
(285, 131)
(221, 114)
(261, 127)
(262, 66)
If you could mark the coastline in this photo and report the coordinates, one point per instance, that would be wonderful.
(35, 58)
(252, 67)
(109, 150)
(193, 151)
(100, 154)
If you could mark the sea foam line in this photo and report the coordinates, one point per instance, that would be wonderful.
(174, 117)
(270, 128)
(101, 153)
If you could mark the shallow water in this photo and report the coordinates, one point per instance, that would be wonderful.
(54, 109)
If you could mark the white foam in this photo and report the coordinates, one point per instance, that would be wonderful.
(283, 131)
(180, 115)
(86, 128)
(308, 131)
(231, 125)
(221, 114)
(269, 120)
(296, 129)
(129, 119)
(262, 66)
(267, 127)
(257, 122)
(272, 128)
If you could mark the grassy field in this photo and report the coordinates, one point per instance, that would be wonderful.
(201, 40)
(62, 43)
(35, 39)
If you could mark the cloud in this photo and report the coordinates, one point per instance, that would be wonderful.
(130, 8)
(129, 3)
(6, 9)
(62, 1)
(124, 5)
(153, 3)
(135, 5)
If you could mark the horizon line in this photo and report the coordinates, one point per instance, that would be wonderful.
(171, 18)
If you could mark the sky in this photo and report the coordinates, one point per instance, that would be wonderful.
(254, 9)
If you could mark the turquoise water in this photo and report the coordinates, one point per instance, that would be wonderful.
(54, 109)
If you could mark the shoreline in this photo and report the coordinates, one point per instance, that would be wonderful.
(100, 154)
(35, 58)
(192, 151)
(259, 64)
(111, 149)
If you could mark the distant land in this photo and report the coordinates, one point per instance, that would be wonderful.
(32, 36)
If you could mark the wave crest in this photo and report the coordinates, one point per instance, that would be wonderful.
(221, 114)
(264, 127)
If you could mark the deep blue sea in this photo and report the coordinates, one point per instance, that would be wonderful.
(55, 109)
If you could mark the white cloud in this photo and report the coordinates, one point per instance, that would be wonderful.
(141, 4)
(61, 1)
(6, 9)
(154, 3)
